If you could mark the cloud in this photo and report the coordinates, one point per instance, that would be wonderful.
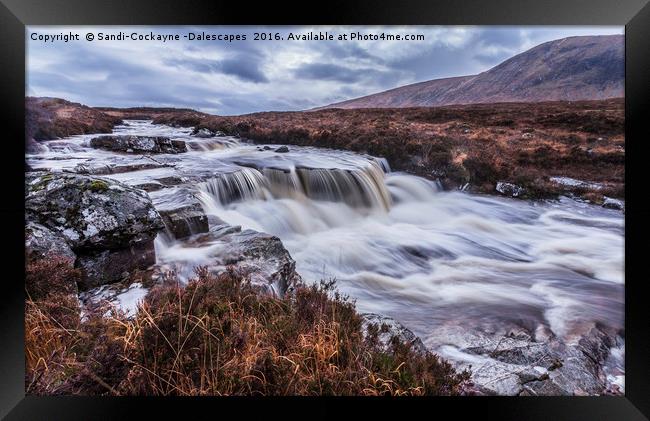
(242, 67)
(327, 71)
(249, 76)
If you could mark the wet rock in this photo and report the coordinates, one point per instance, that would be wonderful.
(41, 242)
(282, 149)
(110, 266)
(509, 189)
(139, 144)
(518, 365)
(170, 180)
(267, 148)
(108, 225)
(181, 212)
(150, 186)
(259, 256)
(185, 221)
(611, 203)
(115, 168)
(91, 212)
(386, 328)
(203, 132)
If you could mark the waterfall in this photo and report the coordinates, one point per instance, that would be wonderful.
(359, 187)
(244, 184)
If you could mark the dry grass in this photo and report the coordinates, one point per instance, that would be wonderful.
(480, 144)
(217, 336)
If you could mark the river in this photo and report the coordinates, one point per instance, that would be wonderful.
(454, 267)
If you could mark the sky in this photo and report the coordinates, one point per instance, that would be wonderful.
(244, 76)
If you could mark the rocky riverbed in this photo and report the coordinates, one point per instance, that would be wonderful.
(527, 294)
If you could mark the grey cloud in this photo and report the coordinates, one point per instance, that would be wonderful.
(243, 68)
(168, 75)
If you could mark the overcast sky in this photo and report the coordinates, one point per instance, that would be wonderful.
(247, 76)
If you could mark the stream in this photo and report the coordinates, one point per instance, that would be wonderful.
(461, 271)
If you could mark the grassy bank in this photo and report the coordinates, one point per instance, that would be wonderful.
(216, 336)
(523, 143)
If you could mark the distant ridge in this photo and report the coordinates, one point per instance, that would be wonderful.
(568, 69)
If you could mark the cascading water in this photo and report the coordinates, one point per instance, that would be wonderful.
(453, 267)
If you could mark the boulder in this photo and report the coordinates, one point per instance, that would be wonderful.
(202, 132)
(110, 266)
(611, 203)
(181, 212)
(138, 144)
(41, 242)
(108, 225)
(91, 212)
(184, 221)
(510, 189)
(282, 149)
(115, 168)
(387, 328)
(522, 365)
(259, 256)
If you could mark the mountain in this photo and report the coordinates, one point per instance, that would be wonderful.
(568, 69)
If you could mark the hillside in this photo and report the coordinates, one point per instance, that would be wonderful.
(568, 69)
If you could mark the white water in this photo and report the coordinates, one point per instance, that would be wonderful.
(442, 263)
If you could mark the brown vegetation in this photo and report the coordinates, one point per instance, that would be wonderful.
(480, 144)
(51, 118)
(217, 336)
(524, 143)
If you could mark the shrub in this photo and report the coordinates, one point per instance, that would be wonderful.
(218, 336)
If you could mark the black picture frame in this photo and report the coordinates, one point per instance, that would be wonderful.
(634, 14)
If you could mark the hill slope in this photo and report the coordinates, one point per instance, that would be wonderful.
(568, 69)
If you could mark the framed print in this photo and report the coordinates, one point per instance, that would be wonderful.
(371, 210)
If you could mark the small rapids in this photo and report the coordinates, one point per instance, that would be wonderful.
(445, 264)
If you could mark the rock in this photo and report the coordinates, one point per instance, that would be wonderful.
(282, 149)
(33, 147)
(518, 365)
(150, 186)
(181, 212)
(510, 189)
(387, 328)
(110, 266)
(611, 203)
(138, 144)
(203, 132)
(267, 148)
(185, 221)
(41, 242)
(115, 169)
(91, 212)
(259, 256)
(109, 225)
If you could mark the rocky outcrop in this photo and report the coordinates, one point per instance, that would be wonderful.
(108, 225)
(181, 212)
(386, 328)
(260, 257)
(41, 242)
(138, 144)
(108, 266)
(116, 168)
(519, 364)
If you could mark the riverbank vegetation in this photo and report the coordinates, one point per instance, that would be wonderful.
(481, 144)
(527, 144)
(215, 336)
